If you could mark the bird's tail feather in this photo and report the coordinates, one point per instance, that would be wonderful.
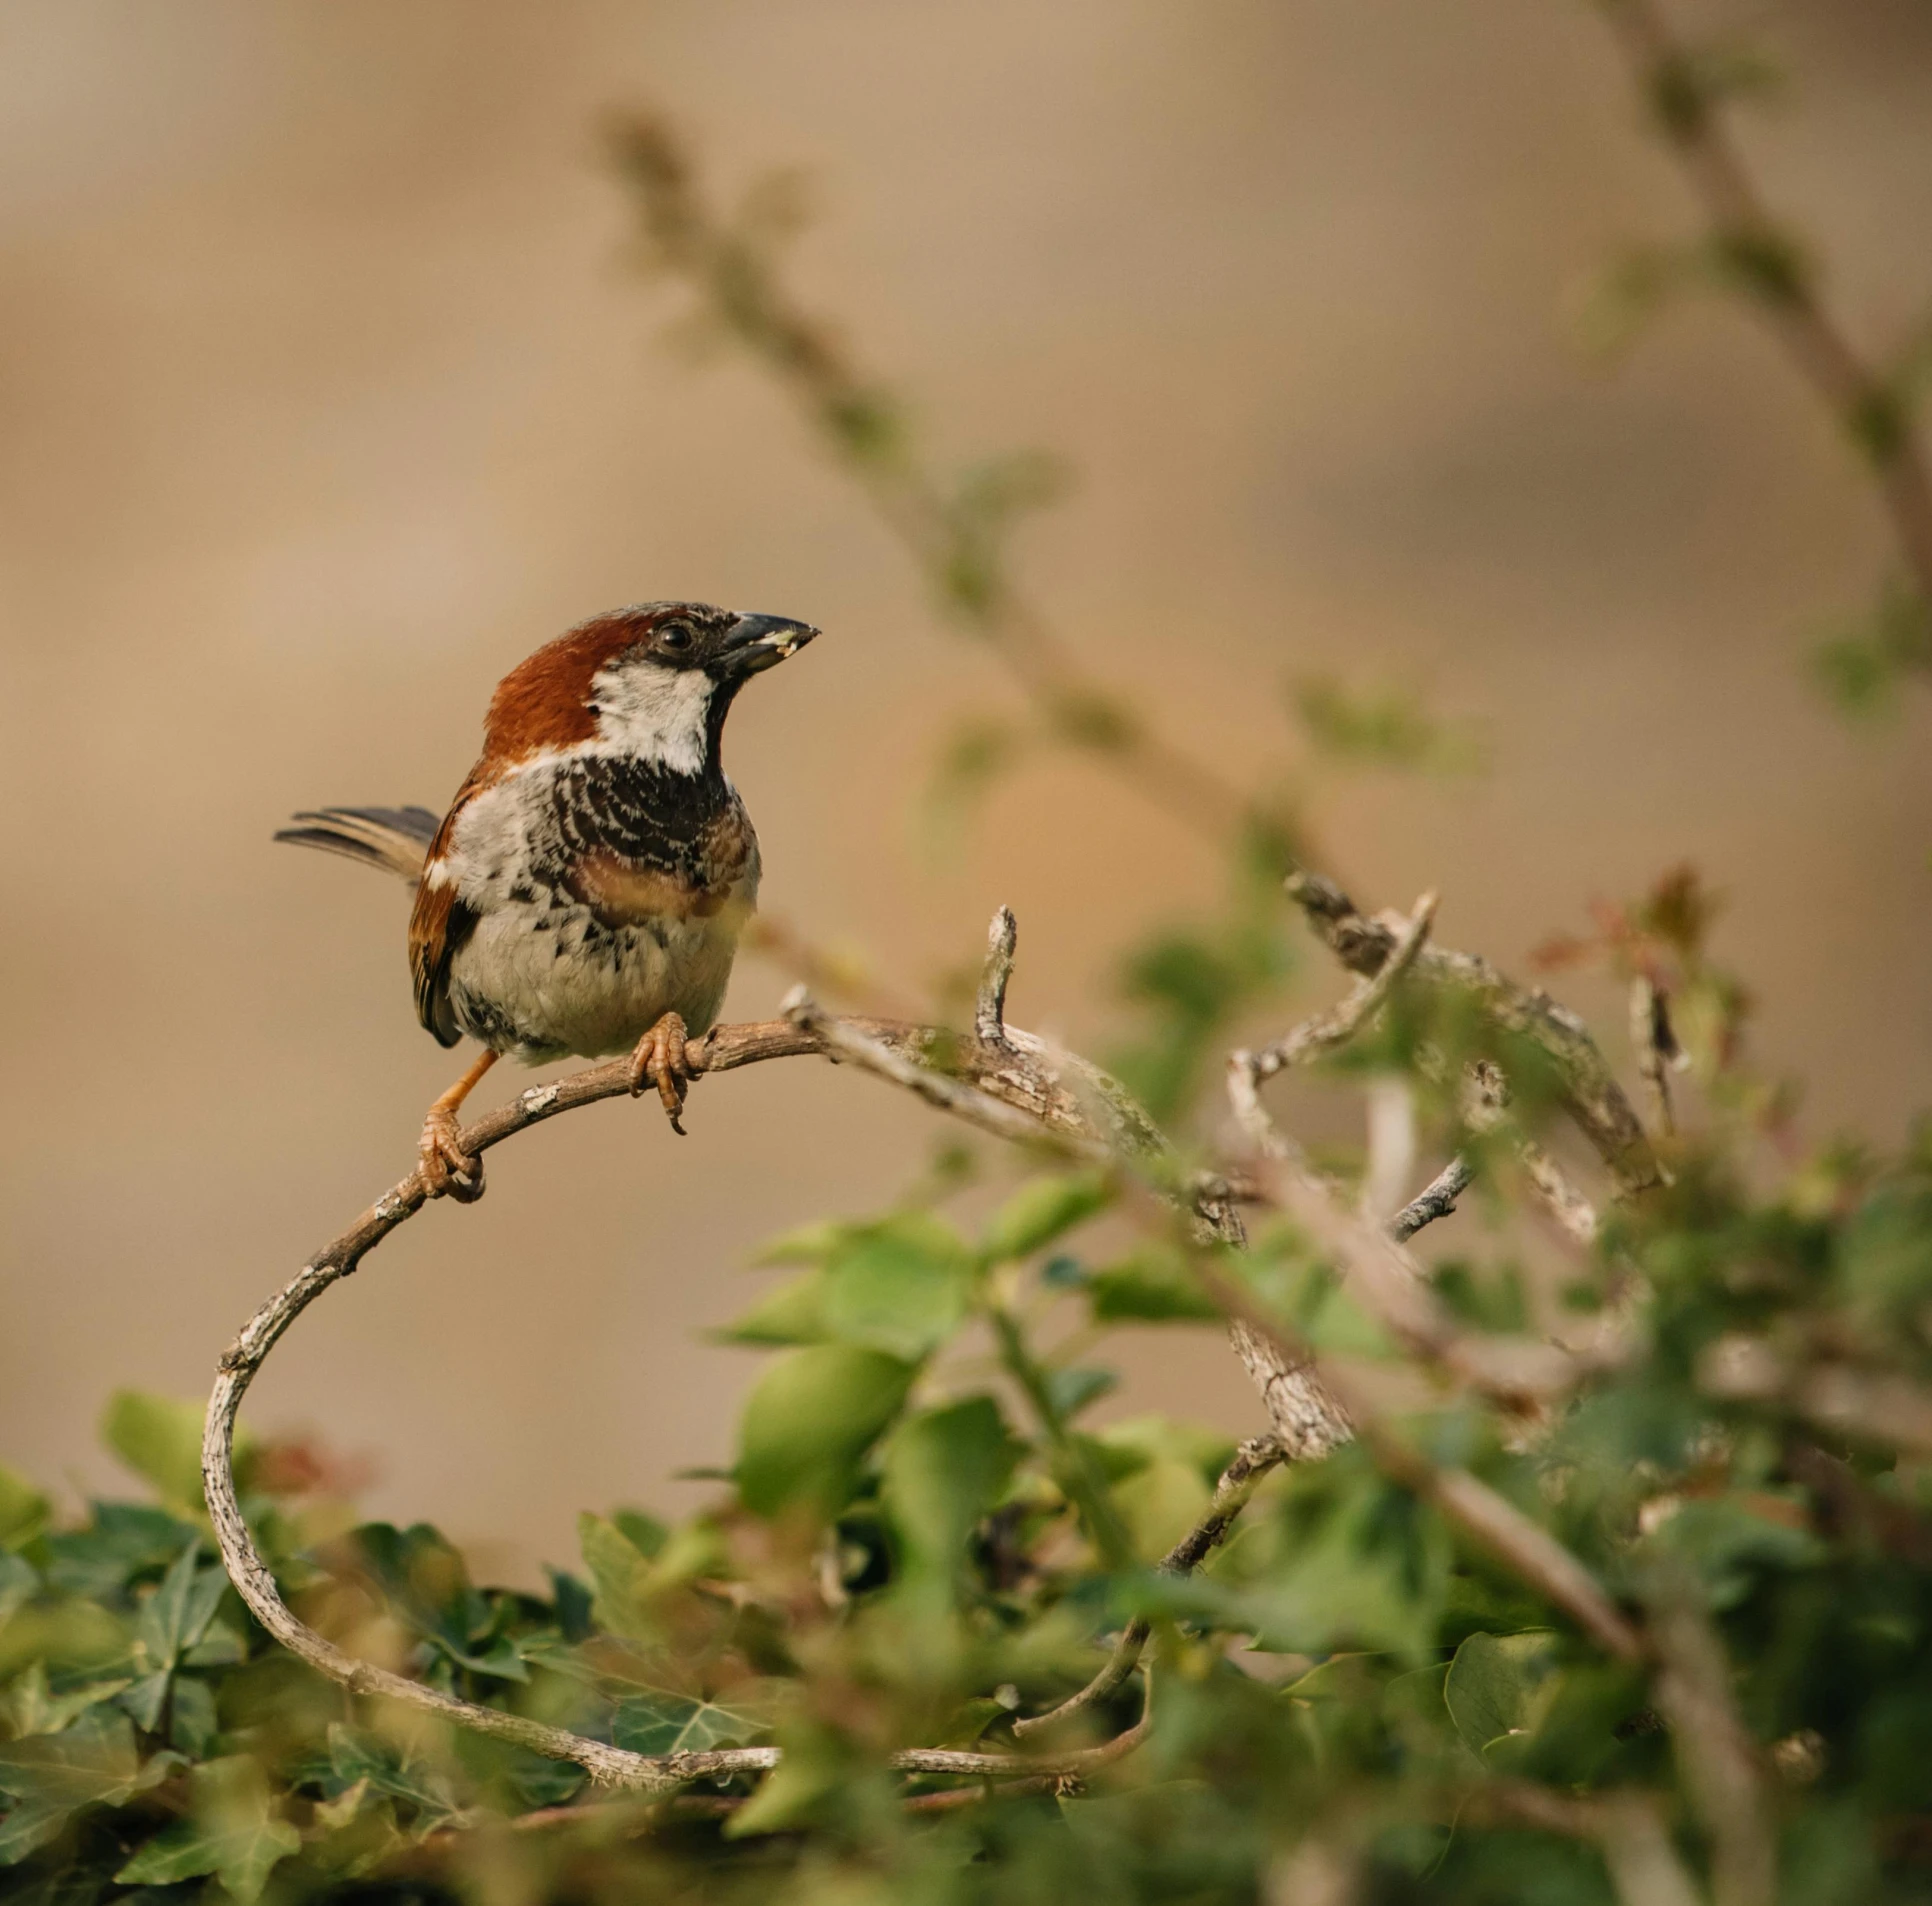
(396, 838)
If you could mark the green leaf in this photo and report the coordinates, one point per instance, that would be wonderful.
(645, 1533)
(943, 1469)
(52, 1776)
(1731, 1540)
(807, 1244)
(1043, 1209)
(791, 1793)
(222, 1645)
(31, 1707)
(811, 1419)
(618, 1571)
(428, 1585)
(356, 1757)
(1073, 1386)
(794, 1313)
(192, 1722)
(145, 1699)
(657, 1721)
(233, 1833)
(1160, 1504)
(159, 1438)
(900, 1286)
(122, 1540)
(1151, 1286)
(1384, 728)
(1349, 1562)
(1493, 1682)
(23, 1511)
(1159, 1438)
(19, 1584)
(177, 1614)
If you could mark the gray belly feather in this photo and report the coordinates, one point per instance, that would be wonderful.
(541, 982)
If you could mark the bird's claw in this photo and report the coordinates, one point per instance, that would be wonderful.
(663, 1059)
(447, 1169)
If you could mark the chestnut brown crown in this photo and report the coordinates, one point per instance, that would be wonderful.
(556, 697)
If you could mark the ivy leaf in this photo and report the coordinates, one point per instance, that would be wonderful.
(811, 1419)
(357, 1758)
(427, 1584)
(122, 1539)
(233, 1833)
(177, 1614)
(52, 1776)
(192, 1722)
(617, 1569)
(657, 1721)
(145, 1699)
(31, 1707)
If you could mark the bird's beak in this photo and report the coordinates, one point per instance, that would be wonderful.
(761, 641)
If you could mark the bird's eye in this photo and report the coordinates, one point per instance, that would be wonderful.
(674, 636)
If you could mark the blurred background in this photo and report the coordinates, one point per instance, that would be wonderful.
(328, 389)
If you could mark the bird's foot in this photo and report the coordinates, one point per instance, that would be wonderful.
(663, 1060)
(448, 1170)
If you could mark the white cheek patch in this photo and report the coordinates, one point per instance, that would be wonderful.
(657, 713)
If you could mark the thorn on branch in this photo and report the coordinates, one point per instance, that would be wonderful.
(989, 1010)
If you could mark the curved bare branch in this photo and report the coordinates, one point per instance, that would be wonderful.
(1014, 1077)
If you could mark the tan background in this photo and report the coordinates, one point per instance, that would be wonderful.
(326, 393)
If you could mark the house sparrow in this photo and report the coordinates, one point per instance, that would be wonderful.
(586, 890)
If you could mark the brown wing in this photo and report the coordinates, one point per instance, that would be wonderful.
(438, 926)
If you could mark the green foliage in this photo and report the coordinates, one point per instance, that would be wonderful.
(1862, 665)
(1353, 1685)
(913, 1554)
(1380, 728)
(812, 1417)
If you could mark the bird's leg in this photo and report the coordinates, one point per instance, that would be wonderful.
(446, 1167)
(661, 1060)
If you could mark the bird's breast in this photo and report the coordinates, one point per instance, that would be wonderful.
(604, 898)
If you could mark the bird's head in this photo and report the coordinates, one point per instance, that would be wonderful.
(654, 681)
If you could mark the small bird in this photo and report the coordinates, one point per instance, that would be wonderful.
(586, 890)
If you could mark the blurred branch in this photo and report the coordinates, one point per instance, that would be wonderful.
(1627, 1826)
(1590, 1092)
(1715, 1753)
(1322, 1033)
(1685, 98)
(1871, 1405)
(952, 537)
